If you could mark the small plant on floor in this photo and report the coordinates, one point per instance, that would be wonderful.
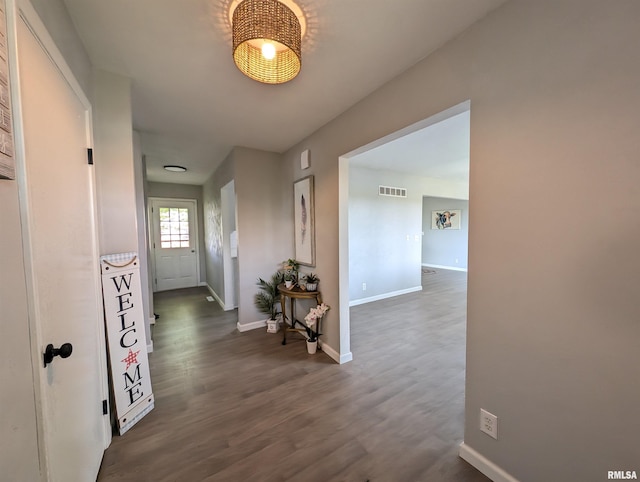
(267, 298)
(313, 318)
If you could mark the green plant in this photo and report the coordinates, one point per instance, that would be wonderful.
(269, 295)
(291, 265)
(312, 278)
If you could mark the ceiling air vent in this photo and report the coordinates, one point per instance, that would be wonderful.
(392, 191)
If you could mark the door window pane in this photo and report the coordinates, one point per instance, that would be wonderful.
(174, 228)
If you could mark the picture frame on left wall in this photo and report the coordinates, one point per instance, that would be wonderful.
(7, 161)
(304, 221)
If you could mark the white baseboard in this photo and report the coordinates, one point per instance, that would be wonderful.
(150, 347)
(219, 300)
(334, 354)
(203, 283)
(383, 296)
(451, 268)
(254, 325)
(484, 465)
(152, 320)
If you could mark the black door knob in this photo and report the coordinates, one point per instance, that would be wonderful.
(63, 352)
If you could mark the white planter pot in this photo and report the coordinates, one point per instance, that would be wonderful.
(288, 284)
(312, 286)
(273, 326)
(312, 346)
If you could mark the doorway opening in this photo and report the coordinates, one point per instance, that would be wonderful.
(397, 243)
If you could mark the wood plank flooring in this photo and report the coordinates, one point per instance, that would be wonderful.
(236, 406)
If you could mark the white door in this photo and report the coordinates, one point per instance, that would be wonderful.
(174, 244)
(58, 211)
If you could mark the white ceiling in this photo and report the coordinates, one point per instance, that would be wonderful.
(192, 105)
(439, 151)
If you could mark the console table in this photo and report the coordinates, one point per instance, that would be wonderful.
(293, 294)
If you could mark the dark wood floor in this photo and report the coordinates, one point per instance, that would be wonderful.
(237, 407)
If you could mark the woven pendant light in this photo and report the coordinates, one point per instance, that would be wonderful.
(263, 29)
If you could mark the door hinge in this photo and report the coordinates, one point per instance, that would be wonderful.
(105, 407)
(90, 156)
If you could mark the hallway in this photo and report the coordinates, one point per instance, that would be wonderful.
(236, 406)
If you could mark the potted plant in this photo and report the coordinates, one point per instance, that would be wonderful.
(267, 299)
(312, 281)
(288, 279)
(312, 319)
(291, 265)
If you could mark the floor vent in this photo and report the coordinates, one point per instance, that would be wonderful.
(392, 191)
(209, 299)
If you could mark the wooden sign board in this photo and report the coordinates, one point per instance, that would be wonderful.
(124, 318)
(7, 162)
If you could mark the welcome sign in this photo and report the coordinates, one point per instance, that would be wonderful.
(124, 320)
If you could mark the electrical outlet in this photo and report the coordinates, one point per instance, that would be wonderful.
(489, 423)
(364, 286)
(457, 260)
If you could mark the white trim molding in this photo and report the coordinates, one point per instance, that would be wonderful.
(334, 354)
(219, 300)
(451, 268)
(384, 296)
(484, 465)
(254, 325)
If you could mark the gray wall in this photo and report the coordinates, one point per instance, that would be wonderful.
(184, 191)
(213, 235)
(54, 15)
(552, 317)
(261, 246)
(261, 241)
(385, 234)
(114, 161)
(380, 254)
(446, 247)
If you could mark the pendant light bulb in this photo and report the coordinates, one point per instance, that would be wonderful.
(268, 50)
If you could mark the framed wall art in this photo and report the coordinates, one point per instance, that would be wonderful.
(446, 219)
(304, 221)
(7, 161)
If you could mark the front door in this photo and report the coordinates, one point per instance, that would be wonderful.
(58, 215)
(174, 244)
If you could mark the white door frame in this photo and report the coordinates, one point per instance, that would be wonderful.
(16, 10)
(345, 354)
(229, 215)
(150, 205)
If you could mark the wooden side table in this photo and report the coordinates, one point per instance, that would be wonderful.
(293, 294)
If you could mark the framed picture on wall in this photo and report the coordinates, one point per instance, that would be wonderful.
(446, 219)
(304, 222)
